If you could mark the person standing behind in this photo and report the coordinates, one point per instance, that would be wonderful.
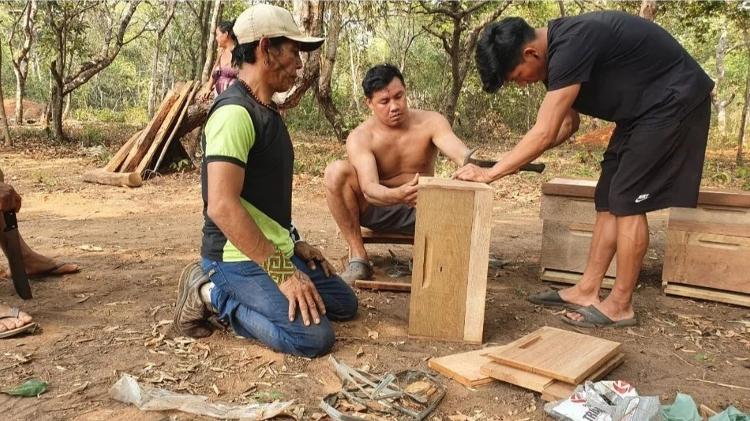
(224, 74)
(620, 68)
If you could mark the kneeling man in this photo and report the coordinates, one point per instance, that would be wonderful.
(377, 186)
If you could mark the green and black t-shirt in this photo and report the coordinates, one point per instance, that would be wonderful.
(242, 131)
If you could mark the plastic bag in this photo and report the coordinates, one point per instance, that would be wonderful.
(146, 398)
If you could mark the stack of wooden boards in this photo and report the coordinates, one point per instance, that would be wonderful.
(550, 361)
(145, 150)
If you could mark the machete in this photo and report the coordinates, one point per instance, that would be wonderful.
(15, 258)
(535, 167)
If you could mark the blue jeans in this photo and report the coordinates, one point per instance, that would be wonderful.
(252, 303)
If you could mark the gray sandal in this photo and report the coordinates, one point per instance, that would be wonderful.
(358, 268)
(592, 317)
(550, 298)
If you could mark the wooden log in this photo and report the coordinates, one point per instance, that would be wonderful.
(102, 176)
(451, 255)
(117, 160)
(383, 285)
(147, 137)
(176, 128)
(570, 187)
(166, 127)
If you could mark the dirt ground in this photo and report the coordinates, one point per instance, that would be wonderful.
(113, 317)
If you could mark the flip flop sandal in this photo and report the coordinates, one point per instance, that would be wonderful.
(592, 317)
(29, 327)
(56, 271)
(550, 298)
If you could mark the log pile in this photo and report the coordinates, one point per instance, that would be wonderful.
(143, 154)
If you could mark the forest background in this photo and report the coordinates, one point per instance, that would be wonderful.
(74, 69)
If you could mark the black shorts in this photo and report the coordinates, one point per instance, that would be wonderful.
(395, 218)
(655, 167)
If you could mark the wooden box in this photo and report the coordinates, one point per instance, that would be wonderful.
(568, 216)
(707, 253)
(451, 254)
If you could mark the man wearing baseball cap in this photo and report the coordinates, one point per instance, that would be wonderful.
(256, 274)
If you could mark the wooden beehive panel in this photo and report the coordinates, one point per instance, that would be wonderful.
(559, 354)
(451, 253)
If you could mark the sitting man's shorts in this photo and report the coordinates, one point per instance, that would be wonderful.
(395, 218)
(654, 167)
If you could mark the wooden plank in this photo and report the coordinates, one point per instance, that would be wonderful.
(557, 353)
(560, 390)
(102, 176)
(565, 247)
(568, 209)
(738, 230)
(550, 388)
(553, 275)
(465, 367)
(707, 260)
(176, 128)
(166, 127)
(703, 214)
(140, 147)
(383, 285)
(707, 294)
(122, 153)
(719, 197)
(448, 184)
(570, 187)
(372, 237)
(451, 253)
(516, 376)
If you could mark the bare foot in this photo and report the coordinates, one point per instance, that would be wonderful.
(614, 311)
(8, 322)
(575, 295)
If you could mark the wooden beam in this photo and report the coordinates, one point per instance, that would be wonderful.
(122, 153)
(102, 176)
(147, 136)
(383, 285)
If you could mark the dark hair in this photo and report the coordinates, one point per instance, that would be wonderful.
(499, 50)
(226, 26)
(378, 77)
(245, 53)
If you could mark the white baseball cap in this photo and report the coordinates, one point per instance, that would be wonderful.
(265, 20)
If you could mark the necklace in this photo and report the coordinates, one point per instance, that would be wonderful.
(252, 94)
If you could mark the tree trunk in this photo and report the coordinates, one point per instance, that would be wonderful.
(211, 42)
(719, 103)
(21, 61)
(648, 9)
(204, 20)
(355, 78)
(746, 106)
(3, 118)
(309, 17)
(323, 93)
(56, 102)
(155, 60)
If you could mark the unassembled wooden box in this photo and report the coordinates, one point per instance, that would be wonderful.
(568, 217)
(451, 253)
(708, 249)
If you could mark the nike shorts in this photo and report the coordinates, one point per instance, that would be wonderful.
(656, 167)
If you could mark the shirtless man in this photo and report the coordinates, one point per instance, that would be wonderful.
(377, 186)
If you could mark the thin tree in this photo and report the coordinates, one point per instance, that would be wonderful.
(211, 42)
(3, 118)
(169, 8)
(60, 20)
(20, 59)
(746, 106)
(461, 39)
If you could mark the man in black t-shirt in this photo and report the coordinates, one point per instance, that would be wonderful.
(619, 68)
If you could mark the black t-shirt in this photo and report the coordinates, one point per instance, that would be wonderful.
(630, 69)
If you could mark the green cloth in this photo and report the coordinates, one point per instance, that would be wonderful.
(683, 409)
(730, 414)
(229, 136)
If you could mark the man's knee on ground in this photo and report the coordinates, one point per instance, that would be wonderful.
(337, 173)
(317, 340)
